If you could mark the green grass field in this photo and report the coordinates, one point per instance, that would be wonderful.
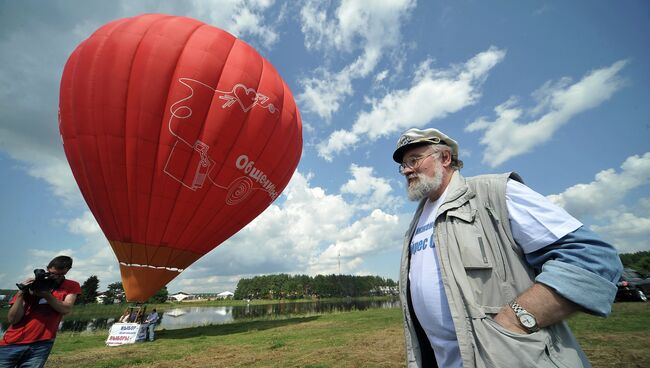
(371, 338)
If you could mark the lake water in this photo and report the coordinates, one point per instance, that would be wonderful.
(201, 316)
(188, 316)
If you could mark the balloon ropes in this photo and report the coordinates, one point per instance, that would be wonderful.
(178, 135)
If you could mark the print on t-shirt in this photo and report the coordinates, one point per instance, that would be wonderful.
(418, 245)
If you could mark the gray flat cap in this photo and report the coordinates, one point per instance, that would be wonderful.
(417, 137)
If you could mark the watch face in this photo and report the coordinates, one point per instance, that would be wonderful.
(527, 320)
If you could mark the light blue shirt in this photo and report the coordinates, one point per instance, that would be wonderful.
(567, 256)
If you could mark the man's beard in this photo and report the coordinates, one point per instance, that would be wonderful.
(424, 185)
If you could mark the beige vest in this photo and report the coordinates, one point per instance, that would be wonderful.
(482, 270)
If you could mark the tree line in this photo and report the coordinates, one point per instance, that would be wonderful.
(283, 286)
(639, 261)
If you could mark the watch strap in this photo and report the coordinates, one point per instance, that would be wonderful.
(519, 310)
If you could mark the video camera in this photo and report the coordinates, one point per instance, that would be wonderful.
(43, 281)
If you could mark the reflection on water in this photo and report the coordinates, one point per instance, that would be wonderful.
(195, 316)
(200, 316)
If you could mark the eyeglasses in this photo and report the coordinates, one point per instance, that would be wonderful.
(413, 162)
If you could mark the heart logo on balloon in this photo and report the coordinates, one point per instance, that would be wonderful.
(247, 97)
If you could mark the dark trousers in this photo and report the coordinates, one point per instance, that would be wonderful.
(32, 355)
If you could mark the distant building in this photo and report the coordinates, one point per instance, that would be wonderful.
(186, 297)
(206, 296)
(225, 295)
(181, 296)
(385, 290)
(101, 299)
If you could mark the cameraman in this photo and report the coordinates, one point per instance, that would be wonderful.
(35, 315)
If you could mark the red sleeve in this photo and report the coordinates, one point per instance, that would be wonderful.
(72, 287)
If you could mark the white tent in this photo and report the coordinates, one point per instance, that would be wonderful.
(225, 295)
(180, 296)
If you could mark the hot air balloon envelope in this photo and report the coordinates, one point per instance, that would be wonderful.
(178, 135)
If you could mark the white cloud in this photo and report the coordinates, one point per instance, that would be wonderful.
(41, 159)
(240, 17)
(355, 24)
(628, 232)
(370, 192)
(322, 95)
(608, 188)
(85, 225)
(55, 171)
(507, 137)
(644, 204)
(627, 224)
(338, 141)
(433, 95)
(376, 233)
(381, 75)
(370, 26)
(602, 200)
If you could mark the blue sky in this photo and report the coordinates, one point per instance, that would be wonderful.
(556, 91)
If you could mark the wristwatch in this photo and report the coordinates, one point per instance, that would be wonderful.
(526, 319)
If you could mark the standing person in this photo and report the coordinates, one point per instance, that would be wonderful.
(491, 269)
(152, 319)
(35, 314)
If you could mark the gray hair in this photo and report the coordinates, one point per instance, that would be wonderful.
(456, 164)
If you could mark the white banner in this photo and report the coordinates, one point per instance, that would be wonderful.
(126, 333)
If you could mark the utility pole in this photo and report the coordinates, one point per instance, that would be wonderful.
(339, 262)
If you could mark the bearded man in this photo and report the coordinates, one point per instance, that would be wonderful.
(491, 269)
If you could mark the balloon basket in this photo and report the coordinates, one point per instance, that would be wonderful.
(130, 328)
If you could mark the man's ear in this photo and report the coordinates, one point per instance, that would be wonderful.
(445, 158)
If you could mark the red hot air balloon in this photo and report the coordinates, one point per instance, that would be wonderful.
(178, 135)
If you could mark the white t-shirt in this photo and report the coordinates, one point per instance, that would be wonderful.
(427, 292)
(535, 222)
